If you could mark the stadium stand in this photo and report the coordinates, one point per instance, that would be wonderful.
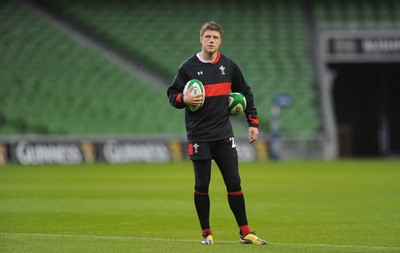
(50, 84)
(266, 38)
(357, 15)
(85, 94)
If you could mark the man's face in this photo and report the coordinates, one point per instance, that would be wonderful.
(210, 41)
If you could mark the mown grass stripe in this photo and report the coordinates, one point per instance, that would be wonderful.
(107, 237)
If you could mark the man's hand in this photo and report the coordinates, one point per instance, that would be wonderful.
(190, 99)
(252, 134)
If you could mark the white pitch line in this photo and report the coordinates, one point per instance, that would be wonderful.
(338, 246)
(187, 240)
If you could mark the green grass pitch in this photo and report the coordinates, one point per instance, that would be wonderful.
(343, 206)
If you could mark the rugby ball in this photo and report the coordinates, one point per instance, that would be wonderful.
(237, 103)
(197, 89)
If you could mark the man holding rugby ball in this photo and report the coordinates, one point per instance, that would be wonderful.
(209, 131)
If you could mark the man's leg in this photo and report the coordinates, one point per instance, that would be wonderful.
(202, 173)
(230, 173)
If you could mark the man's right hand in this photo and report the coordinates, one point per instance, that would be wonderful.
(190, 99)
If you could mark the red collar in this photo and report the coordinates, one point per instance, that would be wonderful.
(216, 59)
(211, 62)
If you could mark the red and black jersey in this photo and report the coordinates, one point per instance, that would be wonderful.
(220, 78)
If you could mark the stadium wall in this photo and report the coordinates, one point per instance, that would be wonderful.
(373, 46)
(36, 151)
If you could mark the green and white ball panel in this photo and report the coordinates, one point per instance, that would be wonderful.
(198, 88)
(237, 104)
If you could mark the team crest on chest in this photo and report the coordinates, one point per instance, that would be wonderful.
(222, 68)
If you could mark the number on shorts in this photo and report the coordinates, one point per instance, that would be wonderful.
(232, 139)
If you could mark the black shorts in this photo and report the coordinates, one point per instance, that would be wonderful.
(212, 150)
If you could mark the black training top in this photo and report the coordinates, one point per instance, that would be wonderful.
(220, 78)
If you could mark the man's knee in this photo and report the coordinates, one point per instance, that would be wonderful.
(201, 188)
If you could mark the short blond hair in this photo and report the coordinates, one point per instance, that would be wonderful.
(212, 25)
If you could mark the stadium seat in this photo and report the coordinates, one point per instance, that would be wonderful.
(51, 84)
(266, 39)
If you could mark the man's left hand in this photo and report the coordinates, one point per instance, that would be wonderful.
(253, 134)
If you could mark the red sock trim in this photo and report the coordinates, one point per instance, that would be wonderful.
(201, 193)
(244, 230)
(206, 230)
(236, 193)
